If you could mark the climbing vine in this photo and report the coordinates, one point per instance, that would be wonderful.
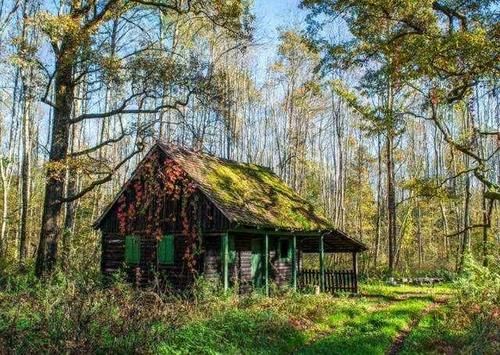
(159, 181)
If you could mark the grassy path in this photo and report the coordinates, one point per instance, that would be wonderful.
(399, 341)
(376, 323)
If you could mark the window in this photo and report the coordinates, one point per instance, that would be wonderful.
(132, 249)
(166, 250)
(231, 249)
(284, 250)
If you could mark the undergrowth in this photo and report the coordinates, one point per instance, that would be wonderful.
(469, 323)
(79, 312)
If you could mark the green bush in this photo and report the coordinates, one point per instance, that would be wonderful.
(477, 305)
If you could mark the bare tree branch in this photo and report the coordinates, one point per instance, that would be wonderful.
(101, 181)
(122, 108)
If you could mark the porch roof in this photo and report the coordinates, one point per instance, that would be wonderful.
(334, 241)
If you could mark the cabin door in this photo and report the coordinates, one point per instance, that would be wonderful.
(257, 262)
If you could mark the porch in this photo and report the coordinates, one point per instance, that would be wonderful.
(302, 274)
(335, 280)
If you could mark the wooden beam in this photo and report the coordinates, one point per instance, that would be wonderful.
(266, 263)
(322, 263)
(355, 271)
(294, 263)
(275, 232)
(225, 261)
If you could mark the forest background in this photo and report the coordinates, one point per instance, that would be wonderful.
(385, 116)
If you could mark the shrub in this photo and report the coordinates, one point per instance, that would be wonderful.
(476, 307)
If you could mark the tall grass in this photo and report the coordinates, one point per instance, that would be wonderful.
(79, 312)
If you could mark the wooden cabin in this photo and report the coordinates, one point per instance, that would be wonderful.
(184, 213)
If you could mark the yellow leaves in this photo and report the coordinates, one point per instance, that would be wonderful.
(229, 8)
(437, 95)
(466, 138)
(293, 48)
(340, 89)
(82, 165)
(57, 26)
(399, 155)
(56, 170)
(352, 100)
(111, 63)
(25, 53)
(111, 67)
(425, 187)
(75, 26)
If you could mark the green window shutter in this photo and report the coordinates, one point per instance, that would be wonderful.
(166, 250)
(132, 249)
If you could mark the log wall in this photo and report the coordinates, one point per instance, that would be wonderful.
(208, 218)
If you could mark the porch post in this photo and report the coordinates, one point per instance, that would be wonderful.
(266, 263)
(294, 263)
(321, 264)
(355, 272)
(225, 257)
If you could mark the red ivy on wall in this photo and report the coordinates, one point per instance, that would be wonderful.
(156, 183)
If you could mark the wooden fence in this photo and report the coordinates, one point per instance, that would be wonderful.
(335, 280)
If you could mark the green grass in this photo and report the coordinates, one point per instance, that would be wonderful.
(428, 337)
(368, 333)
(119, 319)
(370, 325)
(237, 331)
(435, 333)
(308, 324)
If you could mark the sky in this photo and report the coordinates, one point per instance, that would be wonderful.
(271, 14)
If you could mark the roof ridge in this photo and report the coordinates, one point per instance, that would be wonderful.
(174, 146)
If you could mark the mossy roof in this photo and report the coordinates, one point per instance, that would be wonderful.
(248, 194)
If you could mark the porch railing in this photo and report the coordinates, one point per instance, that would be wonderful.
(335, 280)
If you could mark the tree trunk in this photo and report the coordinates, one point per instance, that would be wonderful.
(379, 203)
(70, 211)
(5, 207)
(465, 248)
(419, 238)
(486, 222)
(446, 248)
(26, 78)
(54, 191)
(391, 201)
(26, 180)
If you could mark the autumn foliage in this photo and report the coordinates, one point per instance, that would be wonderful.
(157, 181)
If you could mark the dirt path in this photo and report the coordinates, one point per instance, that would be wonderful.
(398, 342)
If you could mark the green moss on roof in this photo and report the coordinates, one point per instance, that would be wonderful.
(249, 194)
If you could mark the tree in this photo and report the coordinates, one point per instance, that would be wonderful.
(435, 51)
(302, 102)
(72, 32)
(443, 51)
